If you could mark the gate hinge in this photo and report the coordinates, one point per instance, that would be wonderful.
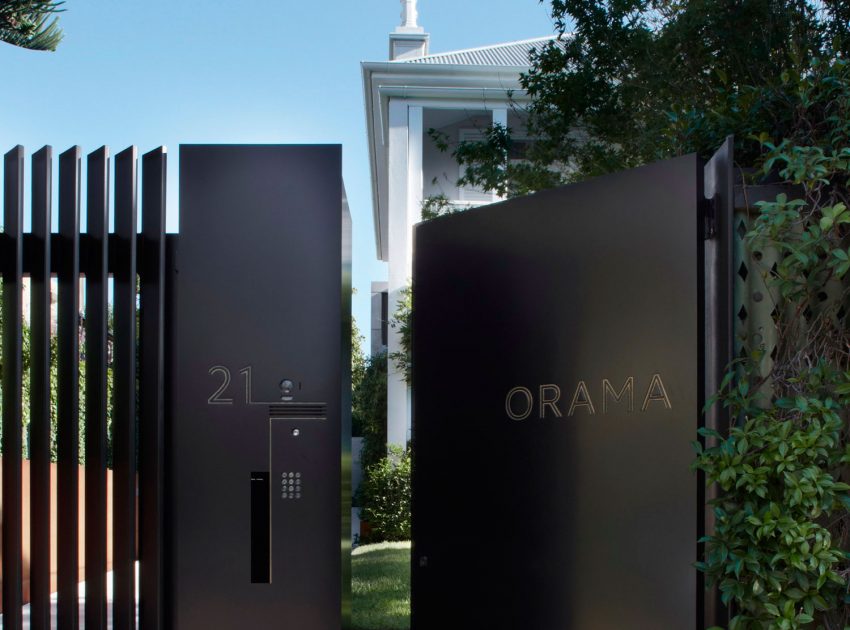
(711, 210)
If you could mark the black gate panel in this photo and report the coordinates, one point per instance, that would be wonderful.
(258, 414)
(557, 385)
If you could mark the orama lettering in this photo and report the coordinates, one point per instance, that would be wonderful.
(520, 401)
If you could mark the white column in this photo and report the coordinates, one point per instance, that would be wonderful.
(500, 116)
(414, 212)
(404, 202)
(414, 177)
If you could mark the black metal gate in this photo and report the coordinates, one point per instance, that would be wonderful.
(132, 401)
(564, 343)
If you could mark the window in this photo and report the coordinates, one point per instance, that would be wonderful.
(467, 193)
(516, 155)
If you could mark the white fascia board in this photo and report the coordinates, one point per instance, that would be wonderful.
(438, 86)
(379, 209)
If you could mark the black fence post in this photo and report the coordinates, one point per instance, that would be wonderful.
(42, 186)
(97, 284)
(124, 393)
(13, 211)
(151, 384)
(68, 398)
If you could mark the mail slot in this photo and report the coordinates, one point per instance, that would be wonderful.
(259, 375)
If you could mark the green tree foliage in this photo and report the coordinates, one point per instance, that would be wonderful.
(26, 392)
(369, 410)
(54, 388)
(632, 81)
(358, 358)
(30, 24)
(401, 320)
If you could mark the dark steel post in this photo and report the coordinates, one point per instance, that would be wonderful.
(124, 393)
(69, 388)
(42, 187)
(719, 322)
(151, 403)
(13, 212)
(97, 282)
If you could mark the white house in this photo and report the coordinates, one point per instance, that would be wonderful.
(459, 93)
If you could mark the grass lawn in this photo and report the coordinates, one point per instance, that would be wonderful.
(380, 586)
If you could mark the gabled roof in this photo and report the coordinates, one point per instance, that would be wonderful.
(512, 54)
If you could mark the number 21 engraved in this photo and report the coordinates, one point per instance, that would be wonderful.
(216, 398)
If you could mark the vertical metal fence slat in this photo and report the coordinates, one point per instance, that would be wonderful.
(151, 407)
(68, 396)
(170, 245)
(13, 211)
(97, 277)
(124, 392)
(42, 187)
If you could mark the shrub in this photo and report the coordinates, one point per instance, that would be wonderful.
(385, 497)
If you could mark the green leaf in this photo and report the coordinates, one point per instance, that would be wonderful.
(771, 608)
(795, 594)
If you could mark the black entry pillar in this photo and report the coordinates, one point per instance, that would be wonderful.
(259, 407)
(557, 384)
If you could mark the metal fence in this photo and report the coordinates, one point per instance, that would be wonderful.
(137, 399)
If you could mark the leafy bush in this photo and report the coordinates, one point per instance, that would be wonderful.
(772, 552)
(385, 497)
(369, 410)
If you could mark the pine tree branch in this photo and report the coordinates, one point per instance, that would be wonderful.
(31, 24)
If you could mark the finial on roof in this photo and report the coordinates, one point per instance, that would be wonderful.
(409, 14)
(408, 40)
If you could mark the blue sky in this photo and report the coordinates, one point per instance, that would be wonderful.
(166, 72)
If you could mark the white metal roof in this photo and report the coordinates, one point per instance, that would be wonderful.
(514, 54)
